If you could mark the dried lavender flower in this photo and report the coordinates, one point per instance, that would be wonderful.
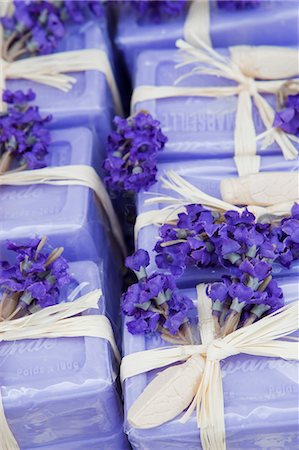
(154, 302)
(132, 153)
(23, 135)
(36, 275)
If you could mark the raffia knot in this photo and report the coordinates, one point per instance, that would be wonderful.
(249, 85)
(218, 350)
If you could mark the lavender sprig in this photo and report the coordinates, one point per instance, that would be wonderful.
(132, 153)
(34, 279)
(37, 26)
(155, 304)
(241, 299)
(285, 238)
(287, 119)
(23, 135)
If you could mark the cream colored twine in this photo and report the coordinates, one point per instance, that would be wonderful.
(50, 70)
(54, 322)
(273, 65)
(188, 194)
(73, 175)
(197, 382)
(197, 23)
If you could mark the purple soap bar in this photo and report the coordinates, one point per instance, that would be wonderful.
(69, 215)
(63, 391)
(195, 126)
(205, 175)
(89, 102)
(273, 22)
(260, 398)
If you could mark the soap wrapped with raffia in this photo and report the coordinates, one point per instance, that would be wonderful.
(221, 103)
(53, 388)
(200, 182)
(259, 397)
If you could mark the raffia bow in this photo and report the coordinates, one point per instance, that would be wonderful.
(256, 71)
(53, 322)
(51, 69)
(73, 175)
(197, 383)
(189, 194)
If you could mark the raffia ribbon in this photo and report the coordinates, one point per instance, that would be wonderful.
(197, 382)
(50, 70)
(53, 322)
(73, 175)
(197, 23)
(189, 194)
(256, 71)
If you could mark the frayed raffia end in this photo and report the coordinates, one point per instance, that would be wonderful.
(61, 320)
(50, 70)
(198, 13)
(159, 403)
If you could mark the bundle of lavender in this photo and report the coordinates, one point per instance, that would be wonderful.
(33, 280)
(202, 238)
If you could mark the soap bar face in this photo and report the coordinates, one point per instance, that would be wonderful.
(254, 27)
(56, 391)
(195, 126)
(205, 175)
(260, 396)
(80, 106)
(69, 216)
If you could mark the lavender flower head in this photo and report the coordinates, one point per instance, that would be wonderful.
(23, 135)
(232, 5)
(287, 119)
(285, 238)
(132, 153)
(202, 238)
(37, 26)
(35, 277)
(158, 10)
(245, 296)
(154, 302)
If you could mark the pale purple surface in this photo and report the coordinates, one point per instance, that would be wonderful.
(273, 22)
(70, 216)
(259, 396)
(63, 392)
(80, 106)
(205, 175)
(195, 126)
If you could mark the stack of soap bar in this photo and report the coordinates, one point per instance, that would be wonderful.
(195, 126)
(260, 401)
(205, 175)
(89, 102)
(69, 215)
(227, 27)
(63, 393)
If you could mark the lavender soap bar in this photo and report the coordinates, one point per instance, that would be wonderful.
(195, 126)
(271, 22)
(206, 177)
(69, 215)
(80, 106)
(259, 398)
(62, 393)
